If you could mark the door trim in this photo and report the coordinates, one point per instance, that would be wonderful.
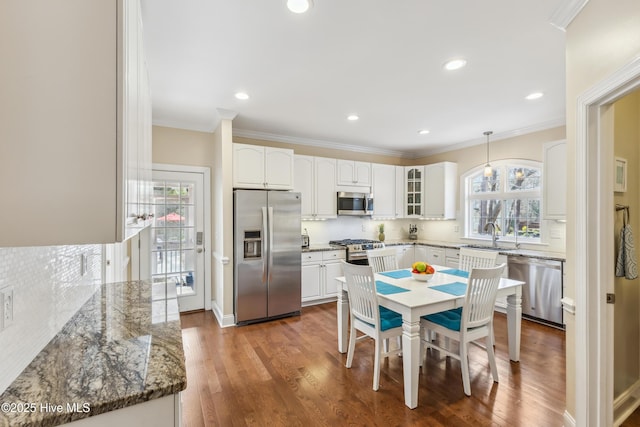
(593, 242)
(207, 219)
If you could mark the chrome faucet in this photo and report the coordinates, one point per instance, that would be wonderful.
(494, 238)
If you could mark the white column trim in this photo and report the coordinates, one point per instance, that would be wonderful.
(593, 385)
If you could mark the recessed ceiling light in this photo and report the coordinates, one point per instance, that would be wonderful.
(455, 64)
(353, 117)
(242, 95)
(534, 95)
(299, 6)
(423, 132)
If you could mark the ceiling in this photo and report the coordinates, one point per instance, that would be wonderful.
(380, 59)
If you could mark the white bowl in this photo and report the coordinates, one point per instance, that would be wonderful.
(422, 277)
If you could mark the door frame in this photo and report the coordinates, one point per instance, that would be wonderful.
(593, 242)
(206, 220)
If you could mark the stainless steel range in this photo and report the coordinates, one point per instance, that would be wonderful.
(357, 249)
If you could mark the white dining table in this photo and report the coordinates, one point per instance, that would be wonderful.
(421, 299)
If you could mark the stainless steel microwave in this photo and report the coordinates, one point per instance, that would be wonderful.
(355, 203)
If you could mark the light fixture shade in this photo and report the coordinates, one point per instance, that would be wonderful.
(488, 170)
(298, 6)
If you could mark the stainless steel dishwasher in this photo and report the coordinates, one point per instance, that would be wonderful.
(542, 291)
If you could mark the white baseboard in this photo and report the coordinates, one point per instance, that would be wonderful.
(568, 420)
(319, 301)
(626, 403)
(223, 321)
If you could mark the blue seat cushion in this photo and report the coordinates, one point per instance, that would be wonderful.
(390, 323)
(389, 319)
(450, 319)
(386, 313)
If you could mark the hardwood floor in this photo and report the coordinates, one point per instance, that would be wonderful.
(289, 373)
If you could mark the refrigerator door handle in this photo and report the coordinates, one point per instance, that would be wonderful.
(270, 242)
(265, 221)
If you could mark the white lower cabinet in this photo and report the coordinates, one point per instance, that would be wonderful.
(452, 257)
(319, 272)
(436, 255)
(162, 412)
(420, 253)
(405, 256)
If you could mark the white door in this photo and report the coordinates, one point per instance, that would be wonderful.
(178, 235)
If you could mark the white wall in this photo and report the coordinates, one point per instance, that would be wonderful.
(603, 38)
(48, 289)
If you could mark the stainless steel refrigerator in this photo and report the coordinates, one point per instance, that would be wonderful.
(267, 254)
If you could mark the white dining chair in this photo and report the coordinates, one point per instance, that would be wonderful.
(368, 317)
(472, 321)
(383, 259)
(474, 258)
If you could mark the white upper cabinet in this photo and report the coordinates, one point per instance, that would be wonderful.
(554, 181)
(383, 187)
(354, 173)
(413, 182)
(260, 167)
(439, 196)
(400, 196)
(314, 177)
(71, 101)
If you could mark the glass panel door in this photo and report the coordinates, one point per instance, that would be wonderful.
(176, 235)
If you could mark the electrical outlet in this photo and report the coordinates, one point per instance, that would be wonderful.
(456, 228)
(6, 297)
(83, 264)
(364, 227)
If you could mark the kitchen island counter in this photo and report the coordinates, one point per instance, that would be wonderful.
(122, 348)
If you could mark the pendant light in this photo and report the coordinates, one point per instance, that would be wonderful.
(488, 170)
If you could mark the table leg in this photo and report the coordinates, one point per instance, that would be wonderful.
(411, 361)
(514, 323)
(343, 320)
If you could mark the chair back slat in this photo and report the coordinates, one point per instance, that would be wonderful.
(382, 259)
(480, 298)
(472, 258)
(363, 299)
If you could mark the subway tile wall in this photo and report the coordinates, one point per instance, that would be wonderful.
(48, 288)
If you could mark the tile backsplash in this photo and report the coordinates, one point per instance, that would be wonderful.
(49, 285)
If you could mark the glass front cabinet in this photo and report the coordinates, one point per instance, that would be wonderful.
(414, 191)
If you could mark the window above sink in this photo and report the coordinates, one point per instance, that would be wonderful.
(510, 198)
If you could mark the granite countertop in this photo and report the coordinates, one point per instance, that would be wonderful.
(323, 247)
(531, 253)
(123, 347)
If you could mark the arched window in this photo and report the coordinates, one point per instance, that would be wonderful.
(510, 198)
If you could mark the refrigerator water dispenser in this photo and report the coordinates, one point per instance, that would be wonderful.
(252, 244)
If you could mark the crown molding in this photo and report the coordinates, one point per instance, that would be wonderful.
(495, 137)
(566, 13)
(176, 124)
(319, 143)
(264, 136)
